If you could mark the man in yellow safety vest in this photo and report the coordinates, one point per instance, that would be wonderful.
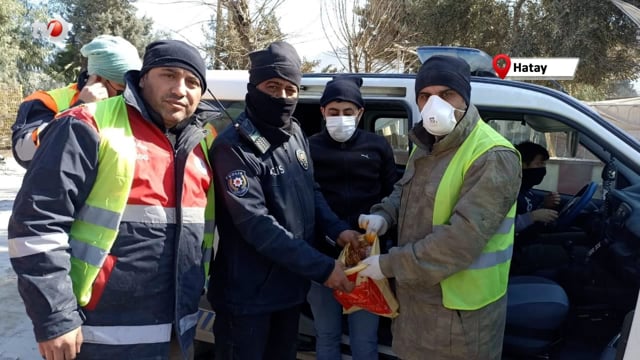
(455, 209)
(108, 59)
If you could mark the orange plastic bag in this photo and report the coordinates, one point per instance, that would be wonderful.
(374, 296)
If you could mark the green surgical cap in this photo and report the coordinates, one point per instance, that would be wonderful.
(111, 57)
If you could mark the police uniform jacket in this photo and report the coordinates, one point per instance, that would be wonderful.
(267, 207)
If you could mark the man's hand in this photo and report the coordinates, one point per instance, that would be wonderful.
(349, 237)
(373, 224)
(338, 280)
(544, 215)
(372, 270)
(64, 347)
(93, 91)
(551, 200)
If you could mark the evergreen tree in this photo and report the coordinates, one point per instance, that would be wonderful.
(90, 18)
(23, 56)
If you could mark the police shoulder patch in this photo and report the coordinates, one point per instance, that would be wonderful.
(302, 159)
(237, 183)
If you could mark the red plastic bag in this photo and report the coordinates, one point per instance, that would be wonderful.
(374, 296)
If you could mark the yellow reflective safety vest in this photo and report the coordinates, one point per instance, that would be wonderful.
(56, 100)
(95, 228)
(485, 280)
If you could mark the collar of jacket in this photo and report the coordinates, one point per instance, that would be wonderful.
(421, 138)
(275, 135)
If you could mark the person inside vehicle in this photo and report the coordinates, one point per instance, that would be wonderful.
(534, 213)
(531, 207)
(355, 170)
(455, 208)
(107, 234)
(108, 59)
(267, 210)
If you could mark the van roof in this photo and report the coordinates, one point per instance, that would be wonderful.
(225, 84)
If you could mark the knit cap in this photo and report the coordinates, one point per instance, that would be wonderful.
(445, 70)
(110, 57)
(175, 53)
(278, 60)
(343, 88)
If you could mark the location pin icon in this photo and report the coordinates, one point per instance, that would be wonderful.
(502, 71)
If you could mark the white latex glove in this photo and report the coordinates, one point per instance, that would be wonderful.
(373, 268)
(373, 224)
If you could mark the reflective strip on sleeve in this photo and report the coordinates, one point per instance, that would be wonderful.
(188, 321)
(88, 253)
(29, 245)
(152, 214)
(97, 216)
(505, 226)
(127, 335)
(487, 260)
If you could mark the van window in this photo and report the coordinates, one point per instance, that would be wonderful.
(395, 131)
(566, 174)
(233, 110)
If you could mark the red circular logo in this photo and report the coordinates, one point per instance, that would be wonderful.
(55, 28)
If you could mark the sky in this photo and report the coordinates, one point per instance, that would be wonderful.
(299, 19)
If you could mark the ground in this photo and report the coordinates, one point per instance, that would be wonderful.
(16, 333)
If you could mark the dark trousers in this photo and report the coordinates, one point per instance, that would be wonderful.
(257, 337)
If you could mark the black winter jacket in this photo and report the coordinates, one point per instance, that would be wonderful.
(353, 175)
(267, 207)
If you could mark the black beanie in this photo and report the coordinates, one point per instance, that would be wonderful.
(343, 88)
(174, 53)
(278, 60)
(446, 71)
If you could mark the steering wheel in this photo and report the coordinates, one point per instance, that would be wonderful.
(577, 203)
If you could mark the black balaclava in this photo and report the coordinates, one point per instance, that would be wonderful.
(278, 60)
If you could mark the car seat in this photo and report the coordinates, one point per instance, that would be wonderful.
(536, 310)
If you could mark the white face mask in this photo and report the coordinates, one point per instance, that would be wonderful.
(341, 128)
(437, 116)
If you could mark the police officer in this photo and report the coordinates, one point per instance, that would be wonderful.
(267, 209)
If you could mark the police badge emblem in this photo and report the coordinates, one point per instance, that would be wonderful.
(302, 159)
(237, 183)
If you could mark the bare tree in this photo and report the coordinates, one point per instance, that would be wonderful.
(239, 28)
(368, 33)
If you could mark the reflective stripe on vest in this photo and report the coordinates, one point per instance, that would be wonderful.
(485, 280)
(95, 230)
(127, 335)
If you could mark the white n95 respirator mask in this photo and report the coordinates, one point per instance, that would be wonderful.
(341, 128)
(438, 116)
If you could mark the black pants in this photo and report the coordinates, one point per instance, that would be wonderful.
(257, 337)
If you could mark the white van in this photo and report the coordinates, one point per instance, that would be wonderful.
(572, 308)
